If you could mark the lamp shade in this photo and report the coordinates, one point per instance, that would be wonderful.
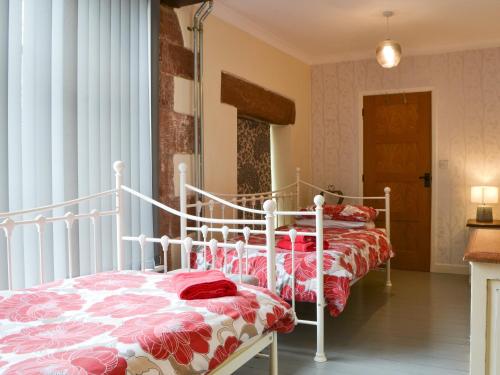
(484, 194)
(388, 53)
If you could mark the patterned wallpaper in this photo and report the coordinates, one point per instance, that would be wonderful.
(466, 100)
(254, 156)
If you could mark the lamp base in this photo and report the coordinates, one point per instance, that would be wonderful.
(484, 214)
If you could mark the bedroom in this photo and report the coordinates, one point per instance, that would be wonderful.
(283, 101)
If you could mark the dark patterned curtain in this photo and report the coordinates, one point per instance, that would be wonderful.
(254, 156)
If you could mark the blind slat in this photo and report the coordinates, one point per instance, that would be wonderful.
(125, 111)
(64, 123)
(4, 162)
(134, 120)
(105, 122)
(84, 123)
(14, 122)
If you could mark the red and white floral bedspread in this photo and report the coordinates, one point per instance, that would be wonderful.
(128, 322)
(352, 253)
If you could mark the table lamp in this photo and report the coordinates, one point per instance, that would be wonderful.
(484, 195)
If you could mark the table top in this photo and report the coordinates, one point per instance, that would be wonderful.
(473, 223)
(483, 246)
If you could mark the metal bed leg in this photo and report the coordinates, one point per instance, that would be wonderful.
(388, 282)
(320, 333)
(320, 292)
(273, 355)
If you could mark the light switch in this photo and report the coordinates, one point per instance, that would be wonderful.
(443, 164)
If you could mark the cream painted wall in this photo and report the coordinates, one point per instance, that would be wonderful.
(466, 115)
(234, 51)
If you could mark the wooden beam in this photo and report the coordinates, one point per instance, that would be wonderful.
(180, 3)
(255, 101)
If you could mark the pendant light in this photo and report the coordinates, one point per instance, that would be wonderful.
(388, 51)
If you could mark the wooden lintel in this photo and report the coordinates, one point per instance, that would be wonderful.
(256, 102)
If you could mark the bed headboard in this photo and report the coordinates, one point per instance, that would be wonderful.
(287, 199)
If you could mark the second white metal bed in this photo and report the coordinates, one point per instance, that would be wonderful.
(288, 202)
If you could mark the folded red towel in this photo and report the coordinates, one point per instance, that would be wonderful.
(303, 239)
(203, 285)
(301, 246)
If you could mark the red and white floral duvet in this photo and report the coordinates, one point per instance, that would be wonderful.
(352, 253)
(128, 322)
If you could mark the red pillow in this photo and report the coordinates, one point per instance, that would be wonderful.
(347, 212)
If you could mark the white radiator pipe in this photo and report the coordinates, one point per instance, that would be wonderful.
(199, 16)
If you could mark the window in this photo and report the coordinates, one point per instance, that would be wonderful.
(74, 97)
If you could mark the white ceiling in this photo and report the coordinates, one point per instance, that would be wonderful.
(319, 31)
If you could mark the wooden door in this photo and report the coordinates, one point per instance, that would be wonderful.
(397, 153)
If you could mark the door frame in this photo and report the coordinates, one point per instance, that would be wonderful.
(434, 266)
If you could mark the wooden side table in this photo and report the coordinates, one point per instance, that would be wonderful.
(473, 223)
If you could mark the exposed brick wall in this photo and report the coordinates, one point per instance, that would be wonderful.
(175, 129)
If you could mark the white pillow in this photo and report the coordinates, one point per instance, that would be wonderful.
(336, 224)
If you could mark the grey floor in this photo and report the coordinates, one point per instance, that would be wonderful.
(420, 326)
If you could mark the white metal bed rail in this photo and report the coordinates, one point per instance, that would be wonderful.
(9, 223)
(187, 242)
(242, 205)
(235, 199)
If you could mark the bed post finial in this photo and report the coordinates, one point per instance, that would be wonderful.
(118, 167)
(182, 168)
(319, 200)
(183, 207)
(270, 207)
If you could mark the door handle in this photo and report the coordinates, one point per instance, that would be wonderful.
(427, 179)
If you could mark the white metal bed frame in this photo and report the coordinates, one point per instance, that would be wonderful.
(249, 204)
(247, 350)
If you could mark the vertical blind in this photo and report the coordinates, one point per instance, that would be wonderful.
(74, 97)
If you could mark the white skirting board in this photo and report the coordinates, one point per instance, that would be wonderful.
(459, 269)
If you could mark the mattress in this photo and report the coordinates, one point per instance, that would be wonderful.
(351, 254)
(129, 322)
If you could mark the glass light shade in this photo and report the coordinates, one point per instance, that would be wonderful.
(388, 53)
(484, 194)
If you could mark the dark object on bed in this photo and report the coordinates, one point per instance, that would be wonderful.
(331, 189)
